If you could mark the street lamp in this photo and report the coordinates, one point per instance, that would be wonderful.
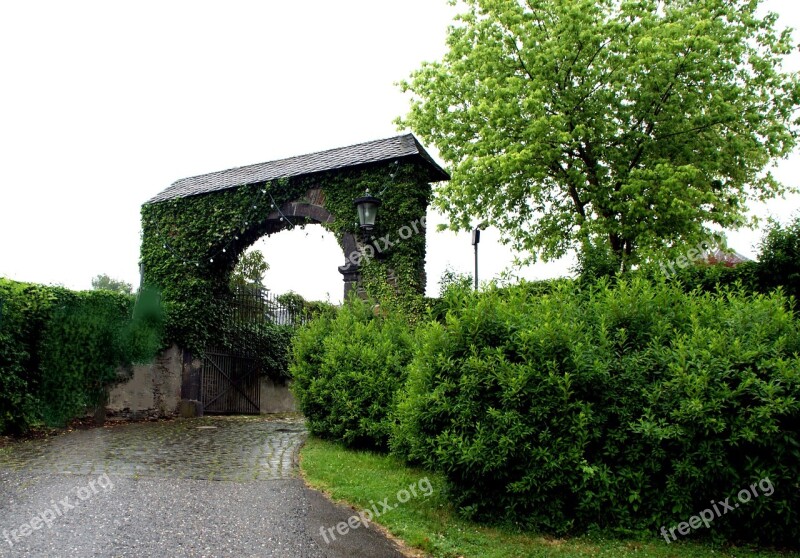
(367, 206)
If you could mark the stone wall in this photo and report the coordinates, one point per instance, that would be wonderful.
(153, 389)
(276, 397)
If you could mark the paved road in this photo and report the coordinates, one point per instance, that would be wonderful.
(208, 487)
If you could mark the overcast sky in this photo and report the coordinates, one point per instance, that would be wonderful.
(104, 104)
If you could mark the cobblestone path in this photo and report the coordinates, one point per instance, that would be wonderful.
(208, 448)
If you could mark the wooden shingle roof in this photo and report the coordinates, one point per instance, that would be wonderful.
(398, 147)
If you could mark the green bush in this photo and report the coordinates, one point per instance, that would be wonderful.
(88, 337)
(779, 258)
(347, 370)
(623, 408)
(59, 349)
(269, 343)
(24, 311)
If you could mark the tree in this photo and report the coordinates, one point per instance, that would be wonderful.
(779, 258)
(105, 283)
(625, 126)
(249, 270)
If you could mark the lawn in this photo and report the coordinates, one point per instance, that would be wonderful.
(426, 520)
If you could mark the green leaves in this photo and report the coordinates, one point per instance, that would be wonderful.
(181, 237)
(621, 407)
(606, 122)
(348, 368)
(60, 350)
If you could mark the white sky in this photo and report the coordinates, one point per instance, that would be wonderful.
(105, 104)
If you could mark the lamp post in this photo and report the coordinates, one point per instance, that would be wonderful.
(476, 238)
(367, 206)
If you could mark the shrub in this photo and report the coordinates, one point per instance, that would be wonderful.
(623, 408)
(270, 344)
(60, 349)
(779, 258)
(347, 370)
(88, 337)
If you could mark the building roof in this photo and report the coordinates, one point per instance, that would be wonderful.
(404, 146)
(729, 258)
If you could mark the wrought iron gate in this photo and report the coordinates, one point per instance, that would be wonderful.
(230, 380)
(230, 383)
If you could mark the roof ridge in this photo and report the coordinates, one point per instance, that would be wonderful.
(374, 151)
(294, 157)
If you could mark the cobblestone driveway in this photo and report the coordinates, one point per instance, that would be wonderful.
(209, 487)
(209, 448)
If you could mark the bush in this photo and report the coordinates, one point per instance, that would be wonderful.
(59, 349)
(24, 310)
(88, 337)
(347, 369)
(623, 408)
(270, 344)
(779, 258)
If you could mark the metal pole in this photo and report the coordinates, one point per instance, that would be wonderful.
(476, 238)
(476, 266)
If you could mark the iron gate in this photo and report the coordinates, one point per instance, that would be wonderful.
(230, 380)
(230, 383)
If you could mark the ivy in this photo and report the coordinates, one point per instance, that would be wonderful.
(190, 245)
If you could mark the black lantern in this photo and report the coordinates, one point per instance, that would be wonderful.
(367, 206)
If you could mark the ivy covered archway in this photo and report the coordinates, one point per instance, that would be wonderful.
(194, 231)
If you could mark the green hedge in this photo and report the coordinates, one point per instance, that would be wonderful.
(348, 367)
(625, 408)
(60, 349)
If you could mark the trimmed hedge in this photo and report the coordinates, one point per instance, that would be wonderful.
(625, 408)
(60, 349)
(348, 367)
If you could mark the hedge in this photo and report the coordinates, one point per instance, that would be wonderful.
(622, 408)
(348, 367)
(60, 349)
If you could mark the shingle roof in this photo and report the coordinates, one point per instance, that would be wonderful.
(343, 157)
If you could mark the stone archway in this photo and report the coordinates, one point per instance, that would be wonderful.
(194, 231)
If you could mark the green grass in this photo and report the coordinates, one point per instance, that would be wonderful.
(363, 479)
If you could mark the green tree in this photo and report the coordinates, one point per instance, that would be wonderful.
(627, 126)
(779, 258)
(250, 270)
(105, 283)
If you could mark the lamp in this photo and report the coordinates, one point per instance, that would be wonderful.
(367, 207)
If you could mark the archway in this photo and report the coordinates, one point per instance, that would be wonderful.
(194, 231)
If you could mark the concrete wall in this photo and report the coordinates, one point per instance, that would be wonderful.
(277, 398)
(154, 389)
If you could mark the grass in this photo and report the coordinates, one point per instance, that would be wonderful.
(364, 479)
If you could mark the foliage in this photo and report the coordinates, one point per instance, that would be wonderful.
(23, 311)
(777, 267)
(623, 408)
(269, 343)
(451, 279)
(362, 478)
(633, 124)
(106, 283)
(347, 370)
(61, 349)
(249, 270)
(779, 258)
(294, 302)
(190, 245)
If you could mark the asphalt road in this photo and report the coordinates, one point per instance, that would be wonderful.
(143, 490)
